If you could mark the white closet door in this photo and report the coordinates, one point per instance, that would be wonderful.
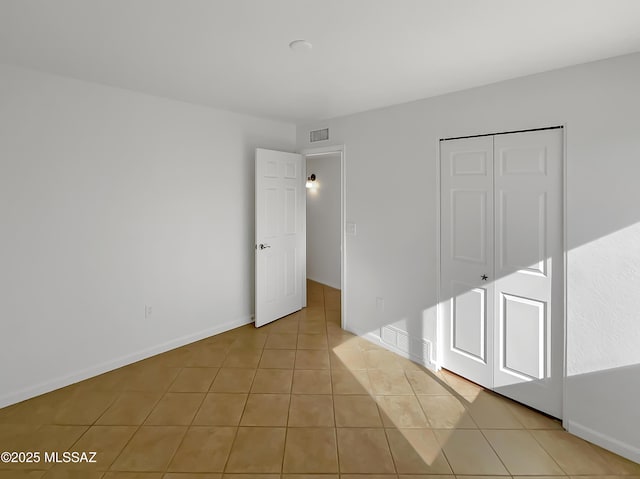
(501, 219)
(529, 271)
(467, 257)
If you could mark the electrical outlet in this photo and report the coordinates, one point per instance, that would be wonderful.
(148, 310)
(380, 303)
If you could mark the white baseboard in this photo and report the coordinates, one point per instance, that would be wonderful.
(86, 373)
(326, 283)
(375, 339)
(629, 451)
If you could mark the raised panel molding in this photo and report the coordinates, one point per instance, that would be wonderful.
(271, 264)
(523, 161)
(290, 268)
(470, 246)
(463, 333)
(523, 247)
(270, 203)
(290, 170)
(523, 320)
(271, 169)
(469, 163)
(290, 195)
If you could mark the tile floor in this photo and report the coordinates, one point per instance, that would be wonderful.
(294, 398)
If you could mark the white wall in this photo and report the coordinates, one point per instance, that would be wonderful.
(323, 220)
(110, 200)
(391, 162)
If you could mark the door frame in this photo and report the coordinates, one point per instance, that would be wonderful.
(439, 314)
(343, 209)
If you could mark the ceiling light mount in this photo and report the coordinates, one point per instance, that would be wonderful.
(300, 45)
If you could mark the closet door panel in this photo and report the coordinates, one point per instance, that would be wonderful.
(529, 277)
(521, 231)
(467, 257)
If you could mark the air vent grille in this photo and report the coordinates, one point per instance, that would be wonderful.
(417, 349)
(319, 135)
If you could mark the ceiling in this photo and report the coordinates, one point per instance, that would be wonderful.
(234, 54)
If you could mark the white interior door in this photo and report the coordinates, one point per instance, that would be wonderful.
(467, 257)
(529, 333)
(280, 261)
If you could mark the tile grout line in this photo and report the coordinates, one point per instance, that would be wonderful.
(235, 436)
(393, 459)
(116, 397)
(444, 454)
(204, 396)
(139, 426)
(286, 423)
(496, 452)
(549, 453)
(333, 404)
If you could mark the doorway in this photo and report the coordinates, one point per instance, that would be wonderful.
(281, 228)
(325, 230)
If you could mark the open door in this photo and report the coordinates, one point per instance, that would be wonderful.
(280, 266)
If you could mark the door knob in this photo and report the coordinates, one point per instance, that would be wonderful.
(484, 277)
(264, 246)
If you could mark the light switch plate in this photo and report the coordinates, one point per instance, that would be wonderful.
(351, 229)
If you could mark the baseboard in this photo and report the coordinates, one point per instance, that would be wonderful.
(623, 449)
(375, 339)
(86, 373)
(326, 283)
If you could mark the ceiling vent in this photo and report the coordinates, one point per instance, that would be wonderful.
(319, 135)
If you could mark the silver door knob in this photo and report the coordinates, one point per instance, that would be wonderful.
(264, 246)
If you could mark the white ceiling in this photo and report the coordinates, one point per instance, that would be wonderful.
(233, 54)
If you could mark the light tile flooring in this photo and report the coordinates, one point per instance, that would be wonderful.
(297, 397)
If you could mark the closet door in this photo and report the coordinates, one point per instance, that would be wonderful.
(529, 268)
(467, 257)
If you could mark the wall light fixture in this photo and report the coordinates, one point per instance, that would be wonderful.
(311, 181)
